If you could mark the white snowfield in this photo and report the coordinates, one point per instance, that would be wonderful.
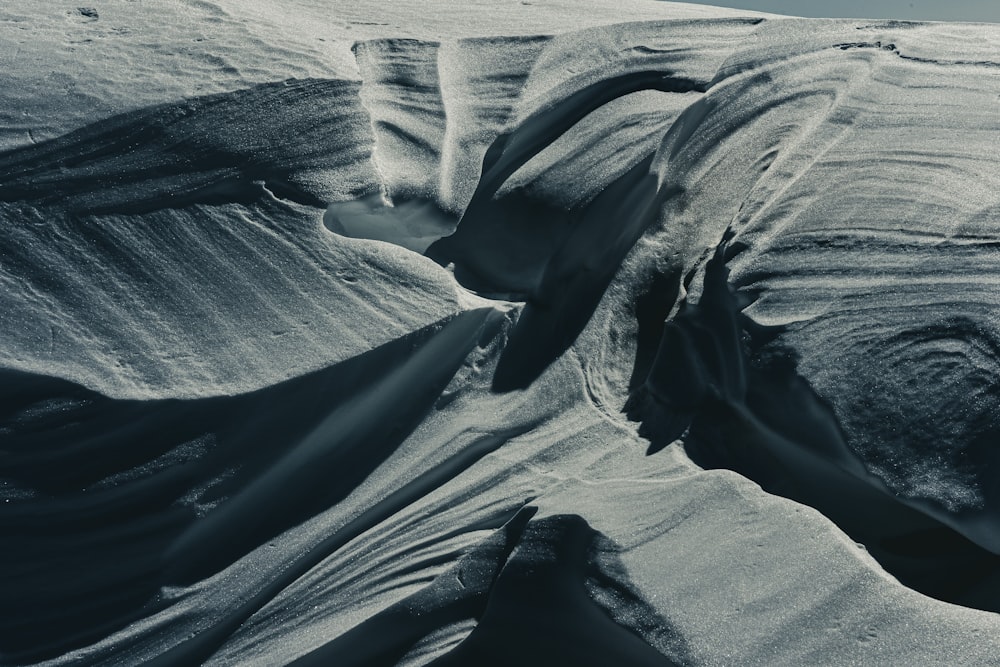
(497, 333)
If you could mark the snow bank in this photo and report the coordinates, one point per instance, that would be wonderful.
(545, 337)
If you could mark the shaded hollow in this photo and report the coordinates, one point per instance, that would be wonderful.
(560, 262)
(107, 500)
(731, 392)
(541, 591)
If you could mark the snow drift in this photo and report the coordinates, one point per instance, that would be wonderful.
(663, 342)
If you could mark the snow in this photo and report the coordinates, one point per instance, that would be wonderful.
(449, 333)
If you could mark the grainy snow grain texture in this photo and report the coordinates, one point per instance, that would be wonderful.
(496, 333)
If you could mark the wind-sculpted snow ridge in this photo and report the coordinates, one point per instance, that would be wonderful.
(869, 222)
(668, 342)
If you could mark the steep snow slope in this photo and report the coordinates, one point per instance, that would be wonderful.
(496, 337)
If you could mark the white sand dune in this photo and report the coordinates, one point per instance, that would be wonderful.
(498, 333)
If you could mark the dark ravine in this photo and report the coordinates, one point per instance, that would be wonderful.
(487, 221)
(722, 385)
(560, 262)
(576, 276)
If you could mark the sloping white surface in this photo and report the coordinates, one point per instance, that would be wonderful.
(343, 449)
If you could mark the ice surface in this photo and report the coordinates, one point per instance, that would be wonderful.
(496, 333)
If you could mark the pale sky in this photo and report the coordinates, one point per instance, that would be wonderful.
(928, 10)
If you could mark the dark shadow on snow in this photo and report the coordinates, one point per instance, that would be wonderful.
(542, 592)
(215, 149)
(107, 500)
(723, 385)
(559, 262)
